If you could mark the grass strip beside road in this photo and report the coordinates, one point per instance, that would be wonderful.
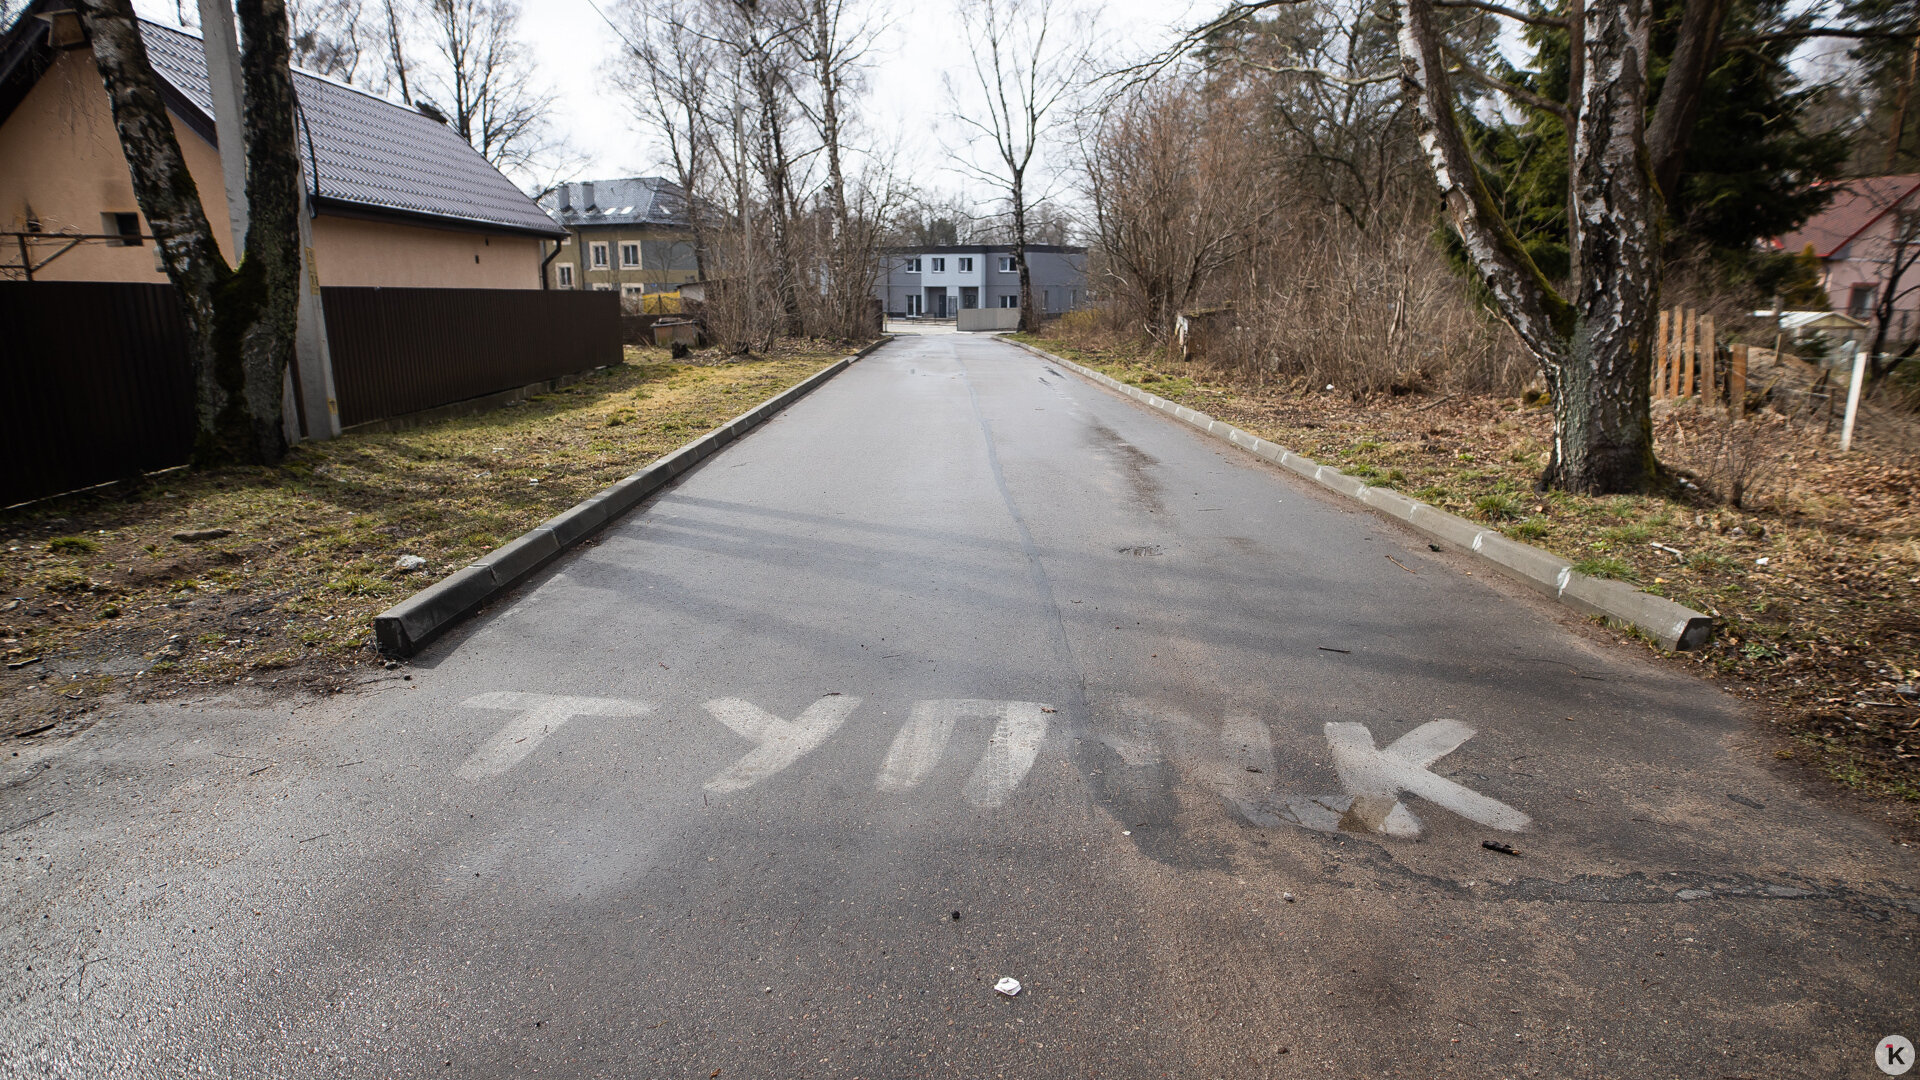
(1814, 586)
(99, 598)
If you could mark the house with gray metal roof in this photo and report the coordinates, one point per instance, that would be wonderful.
(632, 236)
(399, 198)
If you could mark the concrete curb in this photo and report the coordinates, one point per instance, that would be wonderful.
(406, 627)
(1674, 627)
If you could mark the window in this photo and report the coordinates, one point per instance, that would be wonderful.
(1010, 301)
(125, 226)
(914, 304)
(966, 266)
(939, 266)
(565, 279)
(913, 266)
(633, 291)
(599, 256)
(601, 286)
(1046, 299)
(1006, 264)
(630, 255)
(1859, 300)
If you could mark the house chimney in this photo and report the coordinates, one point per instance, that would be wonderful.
(586, 195)
(566, 197)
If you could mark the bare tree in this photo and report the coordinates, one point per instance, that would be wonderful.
(241, 319)
(833, 42)
(1166, 171)
(669, 75)
(328, 38)
(761, 38)
(1023, 76)
(1320, 79)
(1896, 253)
(485, 81)
(937, 219)
(396, 50)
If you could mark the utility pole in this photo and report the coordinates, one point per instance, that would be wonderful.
(312, 411)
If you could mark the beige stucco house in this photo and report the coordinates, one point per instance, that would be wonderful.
(399, 199)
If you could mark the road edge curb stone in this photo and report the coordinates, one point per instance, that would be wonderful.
(1674, 627)
(408, 626)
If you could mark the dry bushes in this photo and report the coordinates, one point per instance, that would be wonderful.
(1738, 460)
(1371, 311)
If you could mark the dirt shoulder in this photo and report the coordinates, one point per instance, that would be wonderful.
(268, 578)
(1813, 584)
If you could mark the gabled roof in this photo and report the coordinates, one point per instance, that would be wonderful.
(1854, 210)
(365, 155)
(633, 200)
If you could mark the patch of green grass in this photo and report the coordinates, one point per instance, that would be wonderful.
(1627, 534)
(1499, 506)
(1604, 566)
(1364, 446)
(1531, 529)
(1432, 493)
(73, 545)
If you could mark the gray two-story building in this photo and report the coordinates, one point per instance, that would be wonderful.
(940, 282)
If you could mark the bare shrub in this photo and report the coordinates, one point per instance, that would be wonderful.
(1167, 175)
(1736, 458)
(1370, 310)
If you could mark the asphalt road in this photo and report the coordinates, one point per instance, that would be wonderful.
(960, 669)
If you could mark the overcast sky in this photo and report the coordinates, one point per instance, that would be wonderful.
(907, 106)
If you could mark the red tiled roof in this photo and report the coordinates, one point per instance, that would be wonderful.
(1859, 204)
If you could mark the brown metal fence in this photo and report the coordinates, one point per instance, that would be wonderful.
(397, 351)
(98, 381)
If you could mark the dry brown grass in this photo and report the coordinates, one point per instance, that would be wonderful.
(100, 599)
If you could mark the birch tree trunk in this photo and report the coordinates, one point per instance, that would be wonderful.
(1595, 348)
(241, 321)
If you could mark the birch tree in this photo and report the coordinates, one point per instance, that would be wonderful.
(241, 319)
(1627, 148)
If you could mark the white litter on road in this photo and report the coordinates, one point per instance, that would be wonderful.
(1009, 987)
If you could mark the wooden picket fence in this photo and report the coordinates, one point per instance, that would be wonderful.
(1686, 361)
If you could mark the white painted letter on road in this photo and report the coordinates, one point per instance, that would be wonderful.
(540, 715)
(1010, 752)
(1376, 777)
(781, 742)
